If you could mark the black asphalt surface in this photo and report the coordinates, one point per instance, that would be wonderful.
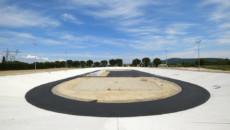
(191, 96)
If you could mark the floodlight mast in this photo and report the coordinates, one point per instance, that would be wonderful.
(35, 44)
(166, 57)
(198, 44)
(65, 61)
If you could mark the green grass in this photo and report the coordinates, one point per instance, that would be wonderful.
(218, 67)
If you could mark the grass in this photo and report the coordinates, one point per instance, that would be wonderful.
(218, 67)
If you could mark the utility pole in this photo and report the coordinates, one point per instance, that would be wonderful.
(35, 44)
(198, 44)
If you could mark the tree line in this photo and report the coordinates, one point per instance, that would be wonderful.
(17, 65)
(144, 62)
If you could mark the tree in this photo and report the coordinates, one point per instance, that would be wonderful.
(69, 63)
(76, 63)
(202, 61)
(136, 62)
(112, 62)
(119, 62)
(156, 61)
(89, 63)
(146, 61)
(3, 59)
(63, 63)
(82, 63)
(57, 64)
(96, 64)
(104, 63)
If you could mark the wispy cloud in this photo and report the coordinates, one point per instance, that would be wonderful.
(178, 28)
(224, 26)
(94, 39)
(13, 37)
(13, 16)
(70, 18)
(114, 8)
(221, 10)
(135, 31)
(125, 12)
(17, 34)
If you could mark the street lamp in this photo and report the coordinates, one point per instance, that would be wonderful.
(198, 44)
(166, 51)
(35, 44)
(65, 61)
(153, 60)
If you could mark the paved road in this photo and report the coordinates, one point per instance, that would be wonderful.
(191, 96)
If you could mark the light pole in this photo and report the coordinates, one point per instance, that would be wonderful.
(35, 44)
(153, 60)
(198, 44)
(65, 61)
(166, 58)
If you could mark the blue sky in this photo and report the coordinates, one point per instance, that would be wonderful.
(106, 29)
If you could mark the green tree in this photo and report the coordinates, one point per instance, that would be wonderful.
(76, 63)
(63, 63)
(136, 62)
(119, 62)
(3, 59)
(82, 63)
(104, 63)
(202, 61)
(89, 63)
(146, 61)
(156, 62)
(112, 62)
(69, 63)
(96, 64)
(58, 64)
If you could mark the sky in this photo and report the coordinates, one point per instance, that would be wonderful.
(111, 29)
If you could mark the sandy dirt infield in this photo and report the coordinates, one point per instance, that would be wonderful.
(116, 89)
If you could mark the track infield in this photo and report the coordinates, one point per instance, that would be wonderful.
(191, 96)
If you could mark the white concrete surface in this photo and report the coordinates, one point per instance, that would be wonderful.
(17, 114)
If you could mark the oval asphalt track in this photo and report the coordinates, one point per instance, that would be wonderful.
(191, 96)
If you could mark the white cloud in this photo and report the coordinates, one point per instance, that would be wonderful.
(222, 2)
(224, 41)
(221, 10)
(12, 16)
(139, 31)
(112, 8)
(93, 39)
(70, 18)
(178, 29)
(17, 34)
(31, 58)
(51, 42)
(224, 26)
(125, 12)
(13, 37)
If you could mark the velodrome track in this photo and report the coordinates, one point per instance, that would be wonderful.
(17, 113)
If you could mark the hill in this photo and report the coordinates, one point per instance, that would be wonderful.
(188, 60)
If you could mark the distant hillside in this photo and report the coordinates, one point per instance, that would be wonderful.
(186, 60)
